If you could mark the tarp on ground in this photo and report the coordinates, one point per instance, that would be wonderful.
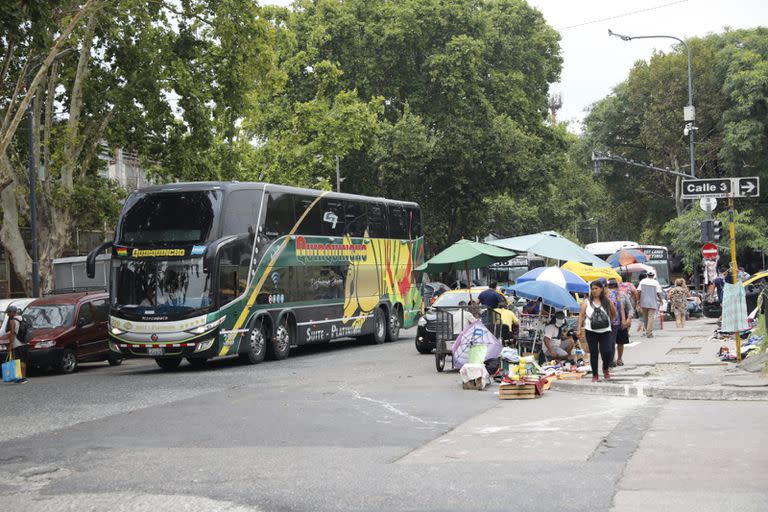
(474, 334)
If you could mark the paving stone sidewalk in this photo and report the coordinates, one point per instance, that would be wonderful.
(677, 363)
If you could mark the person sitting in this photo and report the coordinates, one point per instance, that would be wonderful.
(557, 344)
(532, 307)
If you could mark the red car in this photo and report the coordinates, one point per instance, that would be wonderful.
(68, 329)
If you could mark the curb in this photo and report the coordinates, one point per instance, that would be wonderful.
(638, 390)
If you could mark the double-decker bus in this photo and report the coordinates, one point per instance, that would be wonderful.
(204, 270)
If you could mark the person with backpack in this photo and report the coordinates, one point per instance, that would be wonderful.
(18, 330)
(596, 315)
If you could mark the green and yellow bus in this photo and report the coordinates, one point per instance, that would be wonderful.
(215, 269)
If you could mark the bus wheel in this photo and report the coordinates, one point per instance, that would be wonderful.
(283, 339)
(379, 334)
(168, 363)
(393, 326)
(197, 362)
(256, 344)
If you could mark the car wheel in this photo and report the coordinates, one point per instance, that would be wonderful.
(393, 325)
(257, 344)
(280, 344)
(68, 362)
(115, 361)
(168, 363)
(423, 346)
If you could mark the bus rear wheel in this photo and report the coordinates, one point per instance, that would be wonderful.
(281, 342)
(168, 363)
(256, 344)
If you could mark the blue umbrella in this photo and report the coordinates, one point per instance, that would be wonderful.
(555, 275)
(549, 293)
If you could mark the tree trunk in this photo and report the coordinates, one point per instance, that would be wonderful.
(10, 235)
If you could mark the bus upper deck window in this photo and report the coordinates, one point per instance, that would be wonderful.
(377, 221)
(356, 218)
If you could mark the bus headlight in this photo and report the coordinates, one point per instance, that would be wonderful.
(207, 327)
(204, 345)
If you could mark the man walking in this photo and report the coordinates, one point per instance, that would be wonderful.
(650, 301)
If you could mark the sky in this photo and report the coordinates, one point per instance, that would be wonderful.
(593, 62)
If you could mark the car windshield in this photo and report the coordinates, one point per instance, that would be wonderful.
(172, 288)
(49, 315)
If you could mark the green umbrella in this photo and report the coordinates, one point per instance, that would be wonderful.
(466, 254)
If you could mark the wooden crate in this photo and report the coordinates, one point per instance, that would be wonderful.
(515, 392)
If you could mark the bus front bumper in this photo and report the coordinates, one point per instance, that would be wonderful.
(204, 347)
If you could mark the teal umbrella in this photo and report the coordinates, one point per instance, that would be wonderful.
(552, 245)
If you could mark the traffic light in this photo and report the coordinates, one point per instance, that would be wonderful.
(717, 230)
(706, 231)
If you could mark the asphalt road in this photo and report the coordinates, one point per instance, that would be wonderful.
(358, 427)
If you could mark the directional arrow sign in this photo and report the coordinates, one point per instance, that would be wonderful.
(718, 187)
(746, 187)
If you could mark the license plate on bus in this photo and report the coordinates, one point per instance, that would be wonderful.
(155, 351)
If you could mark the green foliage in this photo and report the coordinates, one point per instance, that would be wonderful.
(642, 120)
(684, 234)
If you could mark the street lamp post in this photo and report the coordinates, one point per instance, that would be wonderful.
(32, 191)
(689, 113)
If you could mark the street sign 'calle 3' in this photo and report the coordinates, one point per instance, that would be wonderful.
(721, 187)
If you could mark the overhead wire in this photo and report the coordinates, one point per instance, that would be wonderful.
(623, 15)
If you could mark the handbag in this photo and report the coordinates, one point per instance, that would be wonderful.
(11, 370)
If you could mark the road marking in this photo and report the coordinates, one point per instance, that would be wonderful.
(388, 406)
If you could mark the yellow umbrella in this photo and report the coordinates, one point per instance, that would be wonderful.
(589, 273)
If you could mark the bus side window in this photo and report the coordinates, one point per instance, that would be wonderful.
(333, 217)
(413, 221)
(310, 225)
(397, 223)
(280, 216)
(377, 221)
(241, 211)
(356, 218)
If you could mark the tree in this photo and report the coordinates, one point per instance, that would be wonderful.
(684, 234)
(459, 91)
(168, 79)
(642, 120)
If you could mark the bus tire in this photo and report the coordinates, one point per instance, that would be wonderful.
(285, 336)
(379, 334)
(168, 363)
(394, 322)
(256, 344)
(197, 362)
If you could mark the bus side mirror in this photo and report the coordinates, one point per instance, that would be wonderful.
(90, 260)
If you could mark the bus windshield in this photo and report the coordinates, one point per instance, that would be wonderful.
(164, 217)
(160, 288)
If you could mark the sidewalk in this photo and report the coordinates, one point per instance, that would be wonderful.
(676, 364)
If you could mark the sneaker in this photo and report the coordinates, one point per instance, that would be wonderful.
(619, 363)
(649, 335)
(595, 378)
(607, 374)
(22, 380)
(613, 364)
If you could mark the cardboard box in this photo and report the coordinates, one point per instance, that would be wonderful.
(476, 384)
